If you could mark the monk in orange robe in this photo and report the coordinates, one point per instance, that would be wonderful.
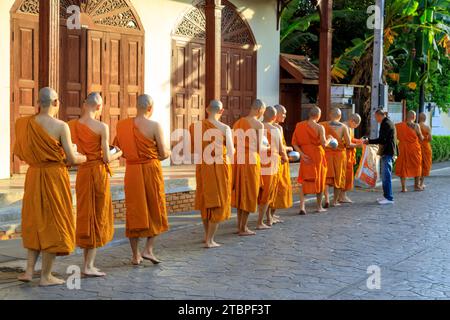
(283, 193)
(95, 217)
(409, 162)
(310, 141)
(336, 155)
(143, 145)
(353, 123)
(248, 137)
(48, 223)
(427, 151)
(270, 167)
(214, 172)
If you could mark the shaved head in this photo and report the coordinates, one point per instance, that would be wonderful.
(335, 114)
(270, 114)
(47, 96)
(144, 102)
(411, 115)
(422, 117)
(94, 99)
(315, 112)
(215, 106)
(280, 109)
(258, 105)
(356, 118)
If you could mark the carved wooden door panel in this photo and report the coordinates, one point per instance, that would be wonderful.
(25, 73)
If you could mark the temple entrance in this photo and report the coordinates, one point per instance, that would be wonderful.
(106, 55)
(238, 69)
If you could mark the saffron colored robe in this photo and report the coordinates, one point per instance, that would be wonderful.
(336, 160)
(214, 182)
(48, 222)
(283, 193)
(144, 184)
(409, 161)
(351, 162)
(269, 179)
(95, 217)
(247, 175)
(427, 153)
(312, 176)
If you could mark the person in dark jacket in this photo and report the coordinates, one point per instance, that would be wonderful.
(387, 141)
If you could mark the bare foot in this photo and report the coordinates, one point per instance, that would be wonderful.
(345, 200)
(51, 281)
(213, 245)
(336, 204)
(321, 210)
(247, 233)
(26, 277)
(151, 258)
(93, 273)
(404, 190)
(419, 189)
(137, 261)
(263, 227)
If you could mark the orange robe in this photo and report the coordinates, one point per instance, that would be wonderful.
(48, 222)
(213, 193)
(268, 189)
(247, 176)
(144, 184)
(351, 161)
(283, 193)
(409, 161)
(336, 160)
(95, 217)
(427, 153)
(312, 176)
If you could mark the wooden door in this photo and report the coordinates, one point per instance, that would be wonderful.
(25, 73)
(238, 83)
(96, 65)
(188, 84)
(73, 73)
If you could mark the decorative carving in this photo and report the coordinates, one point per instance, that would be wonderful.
(116, 13)
(234, 29)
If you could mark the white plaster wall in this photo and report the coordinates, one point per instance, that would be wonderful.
(5, 37)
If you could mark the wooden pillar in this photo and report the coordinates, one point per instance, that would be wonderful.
(49, 44)
(213, 11)
(326, 17)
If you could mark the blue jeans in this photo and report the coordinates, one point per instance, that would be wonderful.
(386, 165)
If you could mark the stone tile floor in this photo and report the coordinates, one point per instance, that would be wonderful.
(313, 257)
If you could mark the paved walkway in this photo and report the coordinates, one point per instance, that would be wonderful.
(313, 257)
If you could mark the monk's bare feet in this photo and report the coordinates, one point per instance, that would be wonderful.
(247, 233)
(404, 190)
(321, 210)
(26, 277)
(136, 261)
(93, 273)
(151, 258)
(346, 200)
(336, 204)
(418, 189)
(263, 227)
(51, 281)
(212, 245)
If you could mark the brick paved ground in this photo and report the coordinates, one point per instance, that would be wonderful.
(312, 257)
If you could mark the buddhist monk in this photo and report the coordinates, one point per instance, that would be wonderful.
(336, 156)
(143, 145)
(427, 152)
(48, 223)
(283, 194)
(409, 161)
(310, 141)
(353, 122)
(214, 175)
(270, 163)
(95, 218)
(248, 138)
